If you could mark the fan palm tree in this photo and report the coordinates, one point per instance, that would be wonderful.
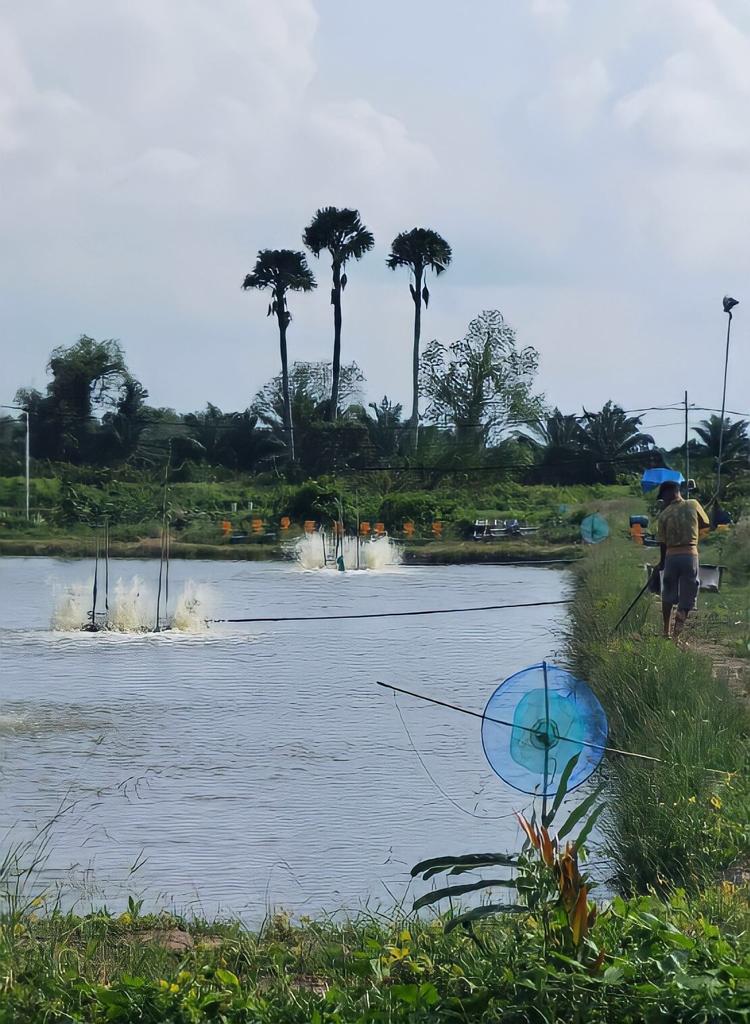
(735, 449)
(281, 271)
(419, 250)
(345, 237)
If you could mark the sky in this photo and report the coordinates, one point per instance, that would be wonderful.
(587, 162)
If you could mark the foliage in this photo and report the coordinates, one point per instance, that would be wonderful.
(735, 443)
(672, 823)
(345, 237)
(88, 377)
(480, 382)
(663, 960)
(281, 271)
(547, 879)
(588, 448)
(419, 251)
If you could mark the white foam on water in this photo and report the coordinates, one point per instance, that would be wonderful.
(132, 608)
(72, 607)
(377, 554)
(194, 607)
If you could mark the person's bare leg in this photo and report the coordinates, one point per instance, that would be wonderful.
(666, 612)
(679, 622)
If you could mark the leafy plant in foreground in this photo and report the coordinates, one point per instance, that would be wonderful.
(548, 879)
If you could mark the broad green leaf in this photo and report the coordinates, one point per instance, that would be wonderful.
(227, 978)
(562, 790)
(454, 891)
(487, 910)
(586, 830)
(466, 862)
(581, 811)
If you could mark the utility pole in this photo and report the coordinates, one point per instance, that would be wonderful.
(687, 450)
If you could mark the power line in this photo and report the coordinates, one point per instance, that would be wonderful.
(392, 615)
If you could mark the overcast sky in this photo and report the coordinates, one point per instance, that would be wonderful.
(588, 162)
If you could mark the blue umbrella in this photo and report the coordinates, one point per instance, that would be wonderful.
(653, 478)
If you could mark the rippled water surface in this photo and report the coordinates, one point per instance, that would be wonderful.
(259, 765)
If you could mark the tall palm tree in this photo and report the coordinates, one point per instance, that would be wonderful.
(281, 271)
(345, 237)
(419, 250)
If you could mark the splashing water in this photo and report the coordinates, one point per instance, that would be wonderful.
(132, 608)
(383, 553)
(73, 607)
(195, 606)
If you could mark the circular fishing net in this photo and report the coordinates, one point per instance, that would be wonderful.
(594, 529)
(530, 730)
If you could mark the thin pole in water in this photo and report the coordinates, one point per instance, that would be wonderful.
(106, 565)
(96, 582)
(166, 573)
(28, 463)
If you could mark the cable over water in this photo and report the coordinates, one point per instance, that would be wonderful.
(393, 615)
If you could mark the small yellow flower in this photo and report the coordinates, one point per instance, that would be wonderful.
(37, 902)
(715, 802)
(404, 937)
(691, 799)
(174, 988)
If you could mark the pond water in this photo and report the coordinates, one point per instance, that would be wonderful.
(258, 766)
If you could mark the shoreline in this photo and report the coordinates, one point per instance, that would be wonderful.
(430, 553)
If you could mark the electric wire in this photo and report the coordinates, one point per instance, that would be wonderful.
(391, 615)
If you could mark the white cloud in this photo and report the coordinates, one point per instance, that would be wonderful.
(550, 10)
(578, 156)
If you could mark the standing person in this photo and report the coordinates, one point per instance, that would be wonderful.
(679, 526)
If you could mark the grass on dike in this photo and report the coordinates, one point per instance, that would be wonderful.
(674, 823)
(676, 959)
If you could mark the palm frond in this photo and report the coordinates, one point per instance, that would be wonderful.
(420, 249)
(280, 269)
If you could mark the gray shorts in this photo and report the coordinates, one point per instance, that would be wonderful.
(680, 581)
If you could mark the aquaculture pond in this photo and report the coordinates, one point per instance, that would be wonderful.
(230, 768)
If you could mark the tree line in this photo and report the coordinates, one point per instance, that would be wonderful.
(342, 234)
(481, 414)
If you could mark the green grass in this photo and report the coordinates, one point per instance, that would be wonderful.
(664, 960)
(672, 823)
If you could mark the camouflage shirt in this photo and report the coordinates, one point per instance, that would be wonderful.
(680, 524)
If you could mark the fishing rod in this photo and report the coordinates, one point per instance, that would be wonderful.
(632, 604)
(536, 732)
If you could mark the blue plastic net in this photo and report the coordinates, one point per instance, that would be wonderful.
(594, 528)
(544, 729)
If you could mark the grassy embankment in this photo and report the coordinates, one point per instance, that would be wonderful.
(680, 952)
(64, 515)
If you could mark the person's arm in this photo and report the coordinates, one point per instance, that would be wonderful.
(703, 521)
